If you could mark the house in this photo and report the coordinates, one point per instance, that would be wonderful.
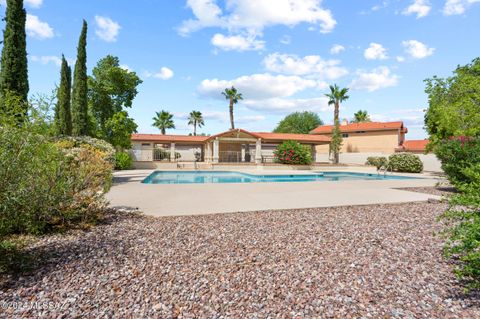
(233, 146)
(367, 137)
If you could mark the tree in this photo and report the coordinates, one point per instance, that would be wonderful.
(14, 64)
(119, 130)
(454, 104)
(63, 115)
(196, 119)
(80, 87)
(163, 121)
(336, 96)
(361, 116)
(233, 96)
(111, 89)
(299, 122)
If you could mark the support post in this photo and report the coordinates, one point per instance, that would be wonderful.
(314, 153)
(172, 152)
(258, 151)
(215, 150)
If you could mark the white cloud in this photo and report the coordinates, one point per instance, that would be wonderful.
(47, 59)
(107, 29)
(417, 49)
(336, 49)
(257, 14)
(164, 74)
(400, 59)
(455, 7)
(37, 28)
(419, 7)
(126, 67)
(282, 105)
(237, 42)
(376, 79)
(258, 86)
(30, 3)
(375, 51)
(245, 20)
(312, 65)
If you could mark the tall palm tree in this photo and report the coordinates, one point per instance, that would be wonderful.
(336, 96)
(233, 96)
(163, 121)
(196, 119)
(361, 116)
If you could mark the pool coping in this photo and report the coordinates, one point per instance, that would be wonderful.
(200, 199)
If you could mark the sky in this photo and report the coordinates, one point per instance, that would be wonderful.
(281, 54)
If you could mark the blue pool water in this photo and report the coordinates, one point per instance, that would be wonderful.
(208, 177)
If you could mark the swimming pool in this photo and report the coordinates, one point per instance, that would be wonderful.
(220, 177)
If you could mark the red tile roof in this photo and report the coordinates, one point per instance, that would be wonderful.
(414, 145)
(169, 138)
(268, 137)
(307, 138)
(366, 126)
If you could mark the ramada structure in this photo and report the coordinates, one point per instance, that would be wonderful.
(242, 146)
(233, 146)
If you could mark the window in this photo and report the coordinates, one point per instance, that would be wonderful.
(345, 135)
(145, 144)
(360, 132)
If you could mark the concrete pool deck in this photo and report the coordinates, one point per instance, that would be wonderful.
(199, 199)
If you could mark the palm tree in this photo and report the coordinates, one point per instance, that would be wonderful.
(163, 121)
(336, 96)
(361, 116)
(233, 96)
(196, 119)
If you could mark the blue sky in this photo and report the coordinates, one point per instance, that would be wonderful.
(281, 54)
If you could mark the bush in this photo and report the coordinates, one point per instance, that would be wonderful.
(377, 161)
(463, 232)
(456, 155)
(48, 184)
(123, 160)
(294, 153)
(405, 162)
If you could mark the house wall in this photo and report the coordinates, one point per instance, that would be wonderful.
(376, 141)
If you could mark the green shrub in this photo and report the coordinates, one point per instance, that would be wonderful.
(405, 162)
(456, 155)
(48, 184)
(294, 153)
(377, 161)
(123, 160)
(463, 228)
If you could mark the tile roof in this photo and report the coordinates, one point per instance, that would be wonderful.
(169, 138)
(268, 137)
(414, 145)
(366, 126)
(308, 138)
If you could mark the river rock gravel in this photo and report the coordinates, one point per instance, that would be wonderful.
(380, 261)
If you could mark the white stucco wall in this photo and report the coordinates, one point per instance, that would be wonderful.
(430, 161)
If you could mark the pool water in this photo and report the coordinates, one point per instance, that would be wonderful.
(215, 177)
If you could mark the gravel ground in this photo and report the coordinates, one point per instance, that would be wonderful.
(440, 190)
(366, 261)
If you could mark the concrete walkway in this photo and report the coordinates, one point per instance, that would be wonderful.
(194, 199)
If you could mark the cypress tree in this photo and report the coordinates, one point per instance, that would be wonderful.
(14, 65)
(79, 93)
(63, 116)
